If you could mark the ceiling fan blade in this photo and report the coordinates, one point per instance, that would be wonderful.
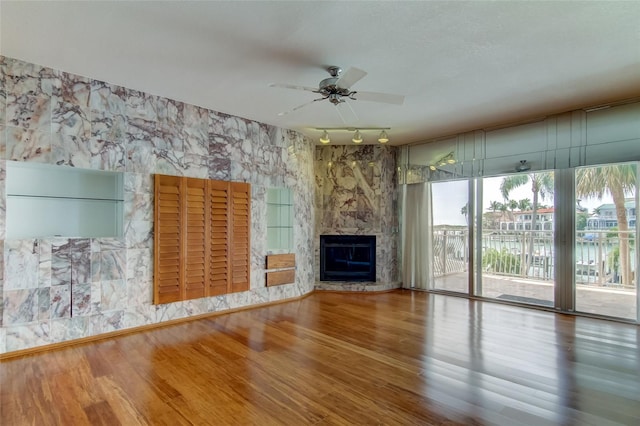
(294, 87)
(280, 114)
(345, 108)
(386, 98)
(350, 77)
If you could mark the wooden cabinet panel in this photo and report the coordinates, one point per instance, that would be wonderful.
(275, 261)
(281, 261)
(202, 238)
(287, 276)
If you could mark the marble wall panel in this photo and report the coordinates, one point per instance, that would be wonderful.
(60, 300)
(139, 315)
(27, 78)
(138, 183)
(81, 300)
(3, 204)
(356, 194)
(170, 122)
(196, 166)
(44, 263)
(3, 338)
(21, 262)
(3, 141)
(20, 306)
(80, 253)
(71, 288)
(112, 321)
(27, 336)
(44, 303)
(60, 261)
(70, 122)
(28, 145)
(138, 206)
(28, 111)
(139, 293)
(114, 295)
(139, 234)
(3, 91)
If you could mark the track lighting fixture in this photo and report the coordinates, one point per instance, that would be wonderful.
(324, 139)
(357, 137)
(383, 138)
(443, 161)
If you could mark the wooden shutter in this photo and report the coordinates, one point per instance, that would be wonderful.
(167, 238)
(201, 238)
(219, 259)
(195, 247)
(240, 236)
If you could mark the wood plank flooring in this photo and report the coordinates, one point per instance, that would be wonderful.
(399, 358)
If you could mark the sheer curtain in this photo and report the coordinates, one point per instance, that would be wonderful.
(417, 246)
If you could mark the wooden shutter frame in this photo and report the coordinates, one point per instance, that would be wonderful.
(159, 182)
(232, 236)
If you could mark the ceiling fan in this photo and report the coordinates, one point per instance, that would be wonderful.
(337, 89)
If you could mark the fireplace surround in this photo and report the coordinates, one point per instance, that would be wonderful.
(348, 258)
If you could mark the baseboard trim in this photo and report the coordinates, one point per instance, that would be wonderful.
(125, 331)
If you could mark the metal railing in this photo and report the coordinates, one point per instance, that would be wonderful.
(507, 253)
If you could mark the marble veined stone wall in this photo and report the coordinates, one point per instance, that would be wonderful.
(57, 289)
(356, 194)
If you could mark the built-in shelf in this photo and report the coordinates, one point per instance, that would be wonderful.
(46, 201)
(279, 219)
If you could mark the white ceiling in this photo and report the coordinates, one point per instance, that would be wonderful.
(461, 65)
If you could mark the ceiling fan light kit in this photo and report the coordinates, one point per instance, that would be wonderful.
(337, 89)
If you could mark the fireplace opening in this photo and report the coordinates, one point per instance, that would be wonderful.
(347, 258)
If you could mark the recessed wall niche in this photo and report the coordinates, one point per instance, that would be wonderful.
(279, 219)
(46, 201)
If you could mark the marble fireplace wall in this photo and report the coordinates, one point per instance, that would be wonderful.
(57, 289)
(356, 194)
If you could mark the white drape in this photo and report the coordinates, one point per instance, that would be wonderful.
(417, 247)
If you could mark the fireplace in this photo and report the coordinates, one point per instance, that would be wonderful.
(347, 258)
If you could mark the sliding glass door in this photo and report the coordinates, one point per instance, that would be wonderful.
(606, 248)
(451, 215)
(510, 223)
(515, 246)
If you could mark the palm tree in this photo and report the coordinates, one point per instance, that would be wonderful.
(524, 204)
(465, 211)
(541, 186)
(616, 180)
(494, 206)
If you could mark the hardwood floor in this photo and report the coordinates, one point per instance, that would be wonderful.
(399, 358)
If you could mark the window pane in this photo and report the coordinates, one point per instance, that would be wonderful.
(450, 235)
(605, 271)
(517, 238)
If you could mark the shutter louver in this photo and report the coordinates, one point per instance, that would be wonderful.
(168, 235)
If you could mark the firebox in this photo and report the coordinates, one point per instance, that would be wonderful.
(347, 258)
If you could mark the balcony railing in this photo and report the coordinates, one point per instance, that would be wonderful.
(508, 253)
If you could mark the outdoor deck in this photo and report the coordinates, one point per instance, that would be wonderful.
(599, 300)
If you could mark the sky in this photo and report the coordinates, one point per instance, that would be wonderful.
(450, 197)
